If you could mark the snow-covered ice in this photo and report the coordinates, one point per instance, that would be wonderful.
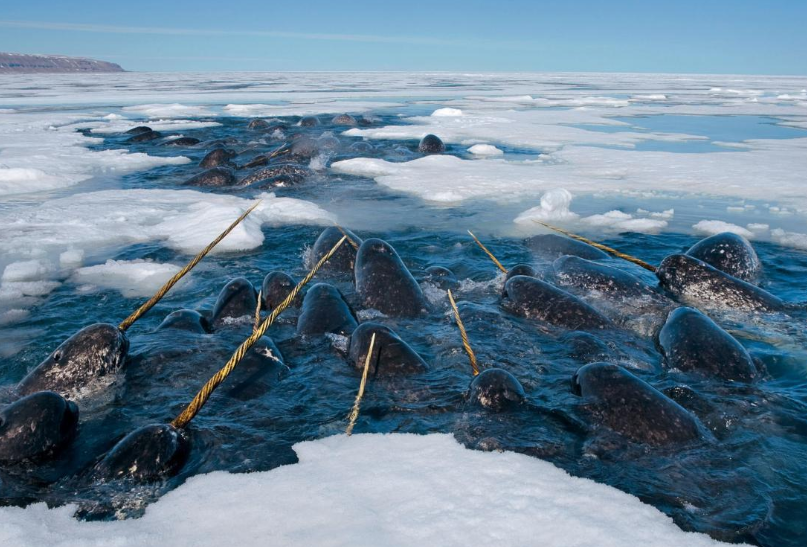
(392, 490)
(130, 277)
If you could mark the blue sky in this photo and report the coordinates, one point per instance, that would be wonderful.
(740, 36)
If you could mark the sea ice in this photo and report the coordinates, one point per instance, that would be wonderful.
(371, 490)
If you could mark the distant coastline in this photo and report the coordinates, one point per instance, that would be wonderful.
(21, 63)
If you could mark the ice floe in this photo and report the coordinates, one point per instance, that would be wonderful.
(370, 490)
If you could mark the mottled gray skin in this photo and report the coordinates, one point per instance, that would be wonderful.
(383, 282)
(730, 253)
(633, 408)
(145, 136)
(188, 320)
(258, 124)
(586, 347)
(220, 157)
(147, 454)
(212, 178)
(520, 269)
(361, 147)
(328, 142)
(36, 427)
(693, 343)
(391, 355)
(139, 130)
(289, 172)
(304, 148)
(344, 260)
(237, 299)
(573, 271)
(309, 121)
(344, 119)
(325, 311)
(497, 390)
(442, 277)
(183, 141)
(431, 144)
(92, 353)
(260, 369)
(696, 282)
(536, 299)
(275, 288)
(554, 246)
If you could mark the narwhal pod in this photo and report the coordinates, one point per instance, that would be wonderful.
(36, 427)
(691, 342)
(237, 299)
(536, 299)
(696, 282)
(325, 311)
(391, 355)
(554, 246)
(147, 454)
(343, 259)
(496, 389)
(384, 283)
(730, 253)
(275, 288)
(573, 271)
(92, 353)
(633, 408)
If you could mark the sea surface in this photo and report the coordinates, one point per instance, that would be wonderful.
(648, 164)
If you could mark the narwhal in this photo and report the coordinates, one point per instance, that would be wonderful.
(100, 349)
(155, 451)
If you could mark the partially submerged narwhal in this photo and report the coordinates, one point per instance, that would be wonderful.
(154, 451)
(43, 421)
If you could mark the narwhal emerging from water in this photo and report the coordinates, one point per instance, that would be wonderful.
(696, 282)
(100, 349)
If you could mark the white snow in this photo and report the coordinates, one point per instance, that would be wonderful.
(40, 152)
(304, 109)
(446, 112)
(372, 490)
(712, 227)
(485, 150)
(118, 125)
(554, 206)
(174, 110)
(131, 277)
(45, 243)
(790, 239)
(624, 222)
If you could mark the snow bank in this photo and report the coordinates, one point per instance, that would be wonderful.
(131, 277)
(789, 239)
(41, 152)
(712, 227)
(174, 110)
(371, 490)
(624, 222)
(444, 112)
(554, 206)
(485, 150)
(304, 109)
(44, 244)
(117, 125)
